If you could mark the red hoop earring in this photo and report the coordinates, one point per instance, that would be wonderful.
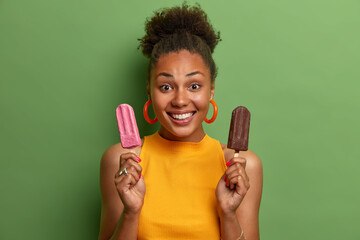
(214, 114)
(145, 112)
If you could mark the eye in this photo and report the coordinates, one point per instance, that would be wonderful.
(165, 88)
(194, 86)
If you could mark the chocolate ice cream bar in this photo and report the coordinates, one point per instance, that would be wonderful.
(239, 129)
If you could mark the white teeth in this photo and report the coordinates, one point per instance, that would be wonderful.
(181, 116)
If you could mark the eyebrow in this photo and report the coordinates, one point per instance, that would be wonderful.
(187, 75)
(164, 74)
(194, 73)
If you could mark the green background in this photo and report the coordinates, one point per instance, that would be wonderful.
(65, 66)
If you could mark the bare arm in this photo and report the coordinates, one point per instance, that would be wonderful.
(115, 218)
(243, 220)
(248, 211)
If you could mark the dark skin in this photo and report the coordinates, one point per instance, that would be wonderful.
(180, 84)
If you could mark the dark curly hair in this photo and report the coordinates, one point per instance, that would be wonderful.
(180, 28)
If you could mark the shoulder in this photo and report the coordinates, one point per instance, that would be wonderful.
(253, 162)
(111, 156)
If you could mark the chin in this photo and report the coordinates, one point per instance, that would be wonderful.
(183, 132)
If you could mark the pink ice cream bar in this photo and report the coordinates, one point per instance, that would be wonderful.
(129, 133)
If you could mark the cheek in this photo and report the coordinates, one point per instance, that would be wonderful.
(202, 98)
(202, 103)
(159, 102)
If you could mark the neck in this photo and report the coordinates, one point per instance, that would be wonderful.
(194, 137)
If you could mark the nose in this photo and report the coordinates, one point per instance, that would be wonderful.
(180, 98)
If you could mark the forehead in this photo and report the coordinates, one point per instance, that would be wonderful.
(182, 62)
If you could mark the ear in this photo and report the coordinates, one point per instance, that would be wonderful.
(212, 91)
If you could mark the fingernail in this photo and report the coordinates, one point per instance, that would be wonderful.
(225, 178)
(228, 163)
(139, 160)
(140, 176)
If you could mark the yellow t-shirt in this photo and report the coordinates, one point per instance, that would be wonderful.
(180, 179)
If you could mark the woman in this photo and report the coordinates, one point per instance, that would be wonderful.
(180, 183)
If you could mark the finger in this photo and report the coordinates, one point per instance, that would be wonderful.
(129, 170)
(227, 174)
(134, 172)
(234, 172)
(127, 160)
(121, 183)
(237, 168)
(233, 181)
(131, 179)
(240, 160)
(125, 182)
(132, 165)
(118, 179)
(128, 157)
(240, 185)
(240, 172)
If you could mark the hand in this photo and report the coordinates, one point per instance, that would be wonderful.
(232, 186)
(130, 186)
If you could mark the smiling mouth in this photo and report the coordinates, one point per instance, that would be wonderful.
(182, 116)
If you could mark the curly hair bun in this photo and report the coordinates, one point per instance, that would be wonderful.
(181, 19)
